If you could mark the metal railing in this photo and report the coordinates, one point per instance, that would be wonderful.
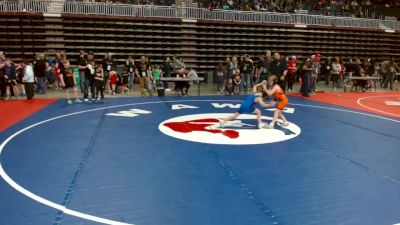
(194, 13)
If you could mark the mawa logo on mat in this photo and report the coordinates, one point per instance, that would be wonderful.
(205, 128)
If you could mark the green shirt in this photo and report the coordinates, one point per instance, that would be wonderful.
(156, 74)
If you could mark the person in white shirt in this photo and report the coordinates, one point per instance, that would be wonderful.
(28, 79)
(193, 75)
(335, 72)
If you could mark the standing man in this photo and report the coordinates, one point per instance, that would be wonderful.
(28, 79)
(39, 71)
(142, 71)
(130, 65)
(314, 74)
(89, 77)
(391, 70)
(108, 66)
(306, 79)
(279, 68)
(167, 69)
(247, 70)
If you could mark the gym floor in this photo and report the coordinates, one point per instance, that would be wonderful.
(145, 161)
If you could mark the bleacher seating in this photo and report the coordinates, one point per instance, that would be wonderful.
(201, 45)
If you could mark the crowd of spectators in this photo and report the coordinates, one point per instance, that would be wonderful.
(93, 78)
(352, 8)
(90, 77)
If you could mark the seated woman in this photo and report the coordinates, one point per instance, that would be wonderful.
(180, 85)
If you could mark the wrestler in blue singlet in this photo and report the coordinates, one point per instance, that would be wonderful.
(247, 105)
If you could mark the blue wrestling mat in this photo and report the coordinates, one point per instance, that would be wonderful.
(167, 161)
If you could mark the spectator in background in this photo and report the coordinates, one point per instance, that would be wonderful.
(180, 85)
(228, 67)
(392, 69)
(359, 72)
(130, 67)
(229, 87)
(142, 71)
(377, 69)
(314, 73)
(99, 82)
(335, 73)
(166, 70)
(306, 79)
(108, 66)
(237, 80)
(28, 79)
(3, 84)
(82, 65)
(247, 71)
(258, 70)
(59, 61)
(177, 64)
(192, 74)
(10, 77)
(342, 73)
(292, 72)
(235, 66)
(19, 72)
(89, 74)
(219, 72)
(69, 83)
(156, 76)
(39, 71)
(279, 69)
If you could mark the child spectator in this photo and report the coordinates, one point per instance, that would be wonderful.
(57, 72)
(49, 74)
(113, 81)
(125, 80)
(69, 83)
(10, 77)
(99, 83)
(229, 88)
(156, 76)
(237, 82)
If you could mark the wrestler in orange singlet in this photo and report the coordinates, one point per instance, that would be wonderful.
(280, 97)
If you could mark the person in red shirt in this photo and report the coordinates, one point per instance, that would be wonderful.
(57, 73)
(292, 71)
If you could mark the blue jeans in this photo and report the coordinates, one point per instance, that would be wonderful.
(82, 81)
(305, 87)
(88, 84)
(246, 81)
(41, 85)
(131, 80)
